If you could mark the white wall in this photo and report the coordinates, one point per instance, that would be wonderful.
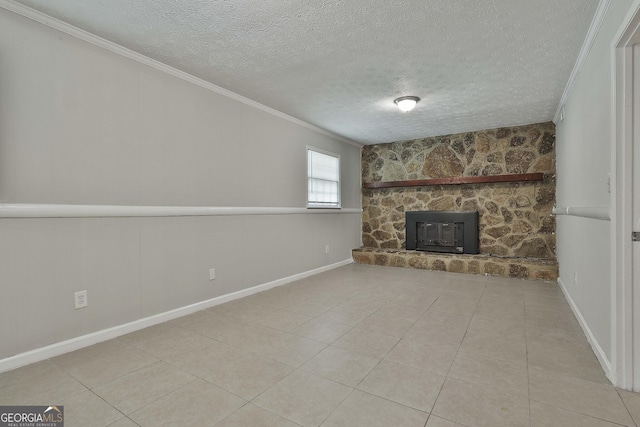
(82, 125)
(583, 165)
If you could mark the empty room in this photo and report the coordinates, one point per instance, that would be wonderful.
(320, 213)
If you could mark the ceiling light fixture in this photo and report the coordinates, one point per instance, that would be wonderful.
(406, 103)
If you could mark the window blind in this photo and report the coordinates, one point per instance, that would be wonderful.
(324, 179)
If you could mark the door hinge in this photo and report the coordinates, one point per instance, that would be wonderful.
(635, 236)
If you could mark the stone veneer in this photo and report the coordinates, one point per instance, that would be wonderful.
(516, 225)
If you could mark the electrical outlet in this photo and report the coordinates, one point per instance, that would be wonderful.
(326, 249)
(81, 300)
(212, 274)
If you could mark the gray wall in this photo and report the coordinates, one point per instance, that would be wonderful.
(583, 150)
(82, 125)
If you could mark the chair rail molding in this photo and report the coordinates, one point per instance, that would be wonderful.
(16, 210)
(593, 212)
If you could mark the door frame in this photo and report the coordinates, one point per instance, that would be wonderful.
(625, 362)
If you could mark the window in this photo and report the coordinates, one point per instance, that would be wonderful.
(323, 173)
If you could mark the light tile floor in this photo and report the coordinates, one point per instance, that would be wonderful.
(356, 346)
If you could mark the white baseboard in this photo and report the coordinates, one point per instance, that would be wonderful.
(595, 345)
(77, 343)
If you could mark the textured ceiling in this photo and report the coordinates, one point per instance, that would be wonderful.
(338, 64)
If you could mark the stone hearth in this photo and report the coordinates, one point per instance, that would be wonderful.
(523, 268)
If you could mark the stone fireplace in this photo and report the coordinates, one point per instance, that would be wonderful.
(507, 175)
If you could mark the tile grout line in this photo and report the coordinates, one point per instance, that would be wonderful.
(625, 406)
(529, 341)
(353, 389)
(526, 346)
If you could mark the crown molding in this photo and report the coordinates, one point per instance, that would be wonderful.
(596, 23)
(88, 37)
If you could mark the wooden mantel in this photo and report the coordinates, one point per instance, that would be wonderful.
(456, 180)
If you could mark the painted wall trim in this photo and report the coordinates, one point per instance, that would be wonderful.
(590, 38)
(104, 211)
(624, 107)
(595, 345)
(77, 343)
(602, 213)
(56, 24)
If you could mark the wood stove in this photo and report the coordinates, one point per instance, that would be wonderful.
(442, 231)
